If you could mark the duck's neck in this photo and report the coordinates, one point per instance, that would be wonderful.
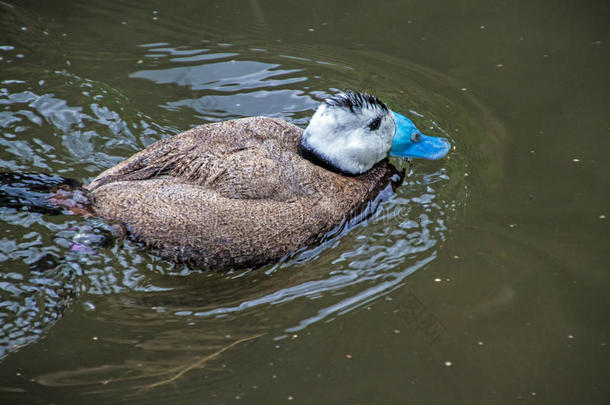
(316, 159)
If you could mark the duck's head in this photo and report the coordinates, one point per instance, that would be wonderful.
(351, 132)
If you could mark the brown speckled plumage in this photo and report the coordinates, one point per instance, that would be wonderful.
(231, 194)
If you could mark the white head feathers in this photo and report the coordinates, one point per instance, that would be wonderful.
(350, 132)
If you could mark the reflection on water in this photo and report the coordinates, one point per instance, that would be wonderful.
(57, 121)
(228, 76)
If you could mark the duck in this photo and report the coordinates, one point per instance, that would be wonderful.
(246, 192)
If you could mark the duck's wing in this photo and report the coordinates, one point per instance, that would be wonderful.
(203, 154)
(190, 223)
(187, 222)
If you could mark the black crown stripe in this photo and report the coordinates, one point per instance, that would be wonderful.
(355, 101)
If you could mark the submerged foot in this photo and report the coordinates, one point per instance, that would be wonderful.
(56, 195)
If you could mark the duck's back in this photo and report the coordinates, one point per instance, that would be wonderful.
(231, 194)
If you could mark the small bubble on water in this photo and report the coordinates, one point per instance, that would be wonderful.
(89, 306)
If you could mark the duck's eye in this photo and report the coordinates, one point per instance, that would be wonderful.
(374, 124)
(415, 137)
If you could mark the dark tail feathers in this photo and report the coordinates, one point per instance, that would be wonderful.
(39, 192)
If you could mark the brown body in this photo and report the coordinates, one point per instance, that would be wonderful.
(231, 194)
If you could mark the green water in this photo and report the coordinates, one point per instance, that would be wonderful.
(483, 280)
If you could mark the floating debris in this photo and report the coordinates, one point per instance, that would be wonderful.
(200, 363)
(448, 363)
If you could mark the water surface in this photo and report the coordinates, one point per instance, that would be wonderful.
(484, 278)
